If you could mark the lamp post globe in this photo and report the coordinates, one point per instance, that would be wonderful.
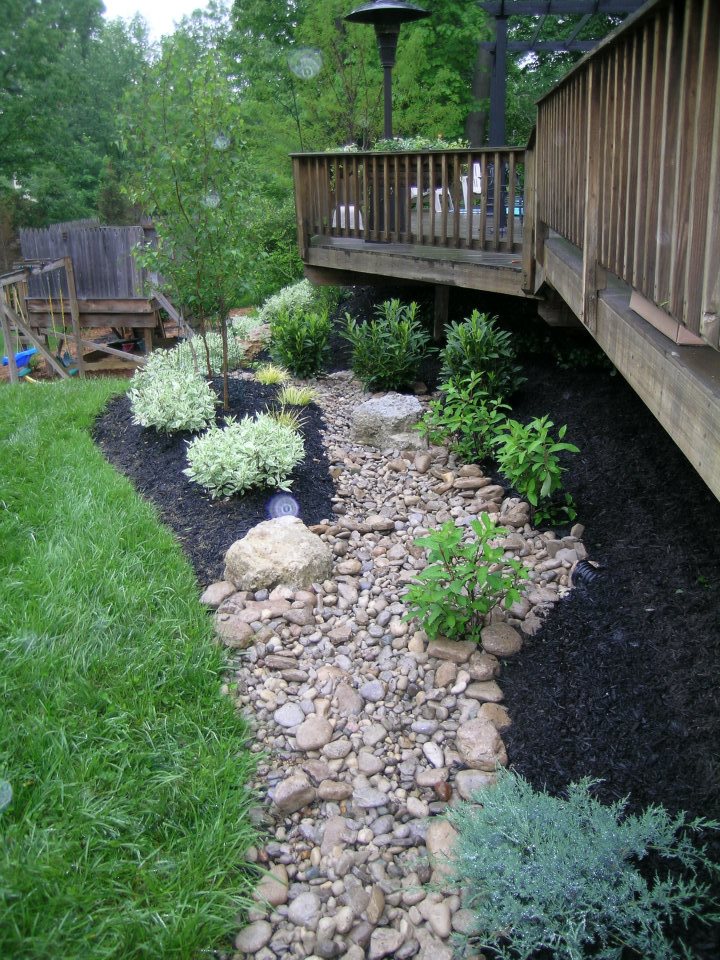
(387, 16)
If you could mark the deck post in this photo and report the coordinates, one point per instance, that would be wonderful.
(593, 275)
(12, 366)
(442, 302)
(528, 249)
(300, 210)
(75, 314)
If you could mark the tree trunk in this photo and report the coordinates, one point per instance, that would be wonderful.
(224, 332)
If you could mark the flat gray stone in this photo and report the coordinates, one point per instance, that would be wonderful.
(388, 421)
(289, 715)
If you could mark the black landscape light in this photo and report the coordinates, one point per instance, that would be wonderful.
(387, 16)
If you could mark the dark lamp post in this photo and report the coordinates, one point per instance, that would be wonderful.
(387, 16)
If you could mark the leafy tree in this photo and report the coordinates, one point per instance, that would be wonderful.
(62, 75)
(185, 141)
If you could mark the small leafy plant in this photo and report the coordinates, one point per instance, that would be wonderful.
(542, 873)
(244, 454)
(465, 418)
(463, 581)
(300, 341)
(479, 346)
(387, 351)
(528, 458)
(172, 399)
(293, 396)
(270, 374)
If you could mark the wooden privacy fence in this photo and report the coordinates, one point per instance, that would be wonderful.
(469, 199)
(628, 166)
(105, 267)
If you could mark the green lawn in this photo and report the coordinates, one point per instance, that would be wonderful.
(128, 824)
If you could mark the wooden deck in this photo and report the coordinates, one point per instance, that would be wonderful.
(619, 191)
(342, 259)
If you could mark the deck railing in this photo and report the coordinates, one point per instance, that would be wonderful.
(471, 199)
(627, 163)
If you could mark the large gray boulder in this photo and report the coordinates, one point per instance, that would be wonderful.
(280, 552)
(387, 422)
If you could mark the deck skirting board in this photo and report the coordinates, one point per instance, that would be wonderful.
(680, 385)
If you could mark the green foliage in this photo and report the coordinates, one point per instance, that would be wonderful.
(130, 774)
(478, 345)
(270, 374)
(387, 351)
(543, 873)
(63, 75)
(465, 418)
(242, 326)
(300, 341)
(172, 399)
(295, 298)
(244, 454)
(296, 396)
(464, 580)
(528, 458)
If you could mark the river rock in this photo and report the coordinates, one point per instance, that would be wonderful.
(214, 595)
(294, 793)
(501, 639)
(384, 942)
(469, 782)
(457, 651)
(387, 422)
(480, 745)
(253, 938)
(313, 733)
(278, 552)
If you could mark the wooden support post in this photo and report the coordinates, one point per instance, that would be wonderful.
(148, 337)
(29, 335)
(442, 301)
(74, 313)
(12, 366)
(528, 252)
(593, 276)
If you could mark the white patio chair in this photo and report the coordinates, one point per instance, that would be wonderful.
(438, 198)
(347, 212)
(476, 184)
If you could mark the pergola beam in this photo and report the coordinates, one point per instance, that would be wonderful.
(558, 8)
(543, 46)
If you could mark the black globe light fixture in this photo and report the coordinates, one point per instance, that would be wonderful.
(387, 16)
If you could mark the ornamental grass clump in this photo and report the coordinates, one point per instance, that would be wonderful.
(566, 876)
(172, 399)
(465, 578)
(478, 346)
(270, 374)
(244, 454)
(388, 350)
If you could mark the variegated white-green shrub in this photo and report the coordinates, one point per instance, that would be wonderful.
(171, 399)
(297, 298)
(181, 356)
(244, 324)
(244, 454)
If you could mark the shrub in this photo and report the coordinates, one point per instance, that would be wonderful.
(300, 341)
(181, 356)
(244, 454)
(463, 581)
(387, 351)
(242, 326)
(465, 418)
(270, 374)
(292, 396)
(543, 873)
(528, 458)
(171, 399)
(477, 345)
(296, 298)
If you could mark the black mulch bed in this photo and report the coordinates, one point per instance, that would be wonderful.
(622, 683)
(205, 527)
